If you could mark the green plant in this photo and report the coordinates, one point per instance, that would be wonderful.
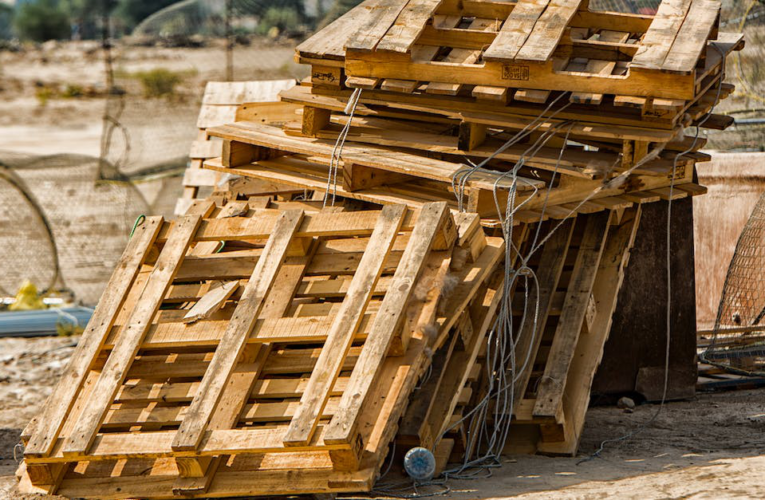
(42, 20)
(159, 82)
(44, 94)
(281, 18)
(72, 90)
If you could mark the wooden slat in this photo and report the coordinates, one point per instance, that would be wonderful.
(227, 354)
(660, 37)
(692, 38)
(342, 428)
(343, 329)
(553, 382)
(211, 302)
(516, 30)
(313, 225)
(131, 336)
(372, 29)
(408, 26)
(62, 399)
(548, 31)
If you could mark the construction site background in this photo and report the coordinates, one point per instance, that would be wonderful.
(96, 131)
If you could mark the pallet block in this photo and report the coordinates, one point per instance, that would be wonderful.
(257, 342)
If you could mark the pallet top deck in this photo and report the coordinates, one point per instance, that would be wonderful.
(529, 44)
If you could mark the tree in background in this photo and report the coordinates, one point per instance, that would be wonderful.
(132, 12)
(41, 21)
(6, 21)
(339, 8)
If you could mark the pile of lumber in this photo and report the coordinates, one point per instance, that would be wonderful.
(340, 293)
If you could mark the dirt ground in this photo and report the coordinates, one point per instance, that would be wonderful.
(705, 448)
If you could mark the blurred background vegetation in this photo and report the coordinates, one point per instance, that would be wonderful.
(42, 20)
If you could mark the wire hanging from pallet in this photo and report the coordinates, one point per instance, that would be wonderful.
(337, 151)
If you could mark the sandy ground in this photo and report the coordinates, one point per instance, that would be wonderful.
(705, 448)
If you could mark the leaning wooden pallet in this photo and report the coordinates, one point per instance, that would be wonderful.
(580, 271)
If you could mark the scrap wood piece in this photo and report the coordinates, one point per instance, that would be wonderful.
(211, 302)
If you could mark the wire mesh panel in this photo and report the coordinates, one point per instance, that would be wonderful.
(160, 72)
(65, 222)
(738, 341)
(25, 238)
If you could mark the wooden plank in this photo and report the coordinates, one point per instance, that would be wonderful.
(516, 30)
(62, 399)
(548, 31)
(312, 225)
(553, 382)
(408, 26)
(692, 38)
(660, 37)
(343, 329)
(131, 336)
(342, 427)
(227, 354)
(372, 29)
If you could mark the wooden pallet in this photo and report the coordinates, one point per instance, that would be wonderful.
(580, 270)
(265, 360)
(222, 102)
(521, 50)
(388, 175)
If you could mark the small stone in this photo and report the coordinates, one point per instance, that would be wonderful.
(625, 404)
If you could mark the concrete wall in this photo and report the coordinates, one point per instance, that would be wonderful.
(735, 182)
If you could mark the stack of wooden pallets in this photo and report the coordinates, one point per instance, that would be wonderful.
(340, 295)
